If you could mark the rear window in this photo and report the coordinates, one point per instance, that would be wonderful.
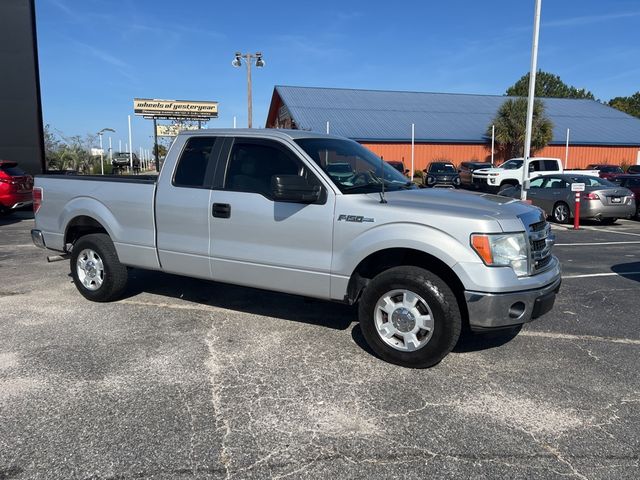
(611, 169)
(193, 163)
(13, 171)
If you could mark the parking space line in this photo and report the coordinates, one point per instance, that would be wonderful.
(567, 336)
(594, 229)
(586, 244)
(607, 274)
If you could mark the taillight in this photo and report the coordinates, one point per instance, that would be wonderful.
(37, 199)
(591, 196)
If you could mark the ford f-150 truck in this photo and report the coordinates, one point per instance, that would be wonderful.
(266, 209)
(509, 174)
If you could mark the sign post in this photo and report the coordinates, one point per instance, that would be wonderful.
(157, 109)
(578, 188)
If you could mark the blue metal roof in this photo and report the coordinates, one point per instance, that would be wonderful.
(378, 115)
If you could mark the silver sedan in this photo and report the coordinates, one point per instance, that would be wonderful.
(601, 199)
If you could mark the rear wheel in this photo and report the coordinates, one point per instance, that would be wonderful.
(97, 273)
(561, 213)
(409, 317)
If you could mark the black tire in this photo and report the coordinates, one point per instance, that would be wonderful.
(556, 213)
(608, 221)
(441, 301)
(114, 279)
(505, 186)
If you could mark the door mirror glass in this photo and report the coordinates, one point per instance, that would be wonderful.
(294, 188)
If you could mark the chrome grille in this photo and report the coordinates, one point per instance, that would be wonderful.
(540, 243)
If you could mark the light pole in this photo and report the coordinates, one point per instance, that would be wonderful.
(248, 59)
(100, 133)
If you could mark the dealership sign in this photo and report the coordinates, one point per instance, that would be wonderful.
(175, 108)
(173, 130)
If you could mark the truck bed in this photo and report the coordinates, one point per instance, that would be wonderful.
(123, 205)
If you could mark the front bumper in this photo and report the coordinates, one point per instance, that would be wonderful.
(489, 311)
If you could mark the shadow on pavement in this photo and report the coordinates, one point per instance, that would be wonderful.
(629, 270)
(16, 217)
(242, 299)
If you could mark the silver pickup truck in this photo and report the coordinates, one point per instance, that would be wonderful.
(262, 208)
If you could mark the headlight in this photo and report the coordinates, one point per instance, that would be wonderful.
(503, 250)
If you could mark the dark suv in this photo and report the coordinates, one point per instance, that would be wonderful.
(465, 170)
(121, 161)
(441, 174)
(633, 169)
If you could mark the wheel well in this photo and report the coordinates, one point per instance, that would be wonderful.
(80, 226)
(382, 260)
(509, 182)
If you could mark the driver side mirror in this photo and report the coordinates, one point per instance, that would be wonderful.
(294, 188)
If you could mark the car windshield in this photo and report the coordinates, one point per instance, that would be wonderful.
(442, 168)
(352, 167)
(512, 165)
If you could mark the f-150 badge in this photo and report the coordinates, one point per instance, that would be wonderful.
(354, 218)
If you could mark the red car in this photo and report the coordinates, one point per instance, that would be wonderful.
(632, 182)
(16, 187)
(606, 171)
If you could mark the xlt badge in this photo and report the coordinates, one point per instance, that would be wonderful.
(354, 218)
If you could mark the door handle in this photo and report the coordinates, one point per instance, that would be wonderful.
(221, 210)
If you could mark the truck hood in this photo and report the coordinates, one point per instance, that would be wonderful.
(445, 206)
(489, 170)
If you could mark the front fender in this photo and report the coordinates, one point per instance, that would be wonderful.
(350, 250)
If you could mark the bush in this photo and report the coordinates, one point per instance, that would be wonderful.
(95, 168)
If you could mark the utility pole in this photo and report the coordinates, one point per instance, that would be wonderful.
(532, 93)
(248, 59)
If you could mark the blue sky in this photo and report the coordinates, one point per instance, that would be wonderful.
(97, 55)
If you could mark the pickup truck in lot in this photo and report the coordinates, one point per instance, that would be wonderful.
(509, 174)
(262, 208)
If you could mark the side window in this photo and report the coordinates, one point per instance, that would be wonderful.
(551, 165)
(535, 166)
(536, 182)
(555, 183)
(193, 162)
(251, 166)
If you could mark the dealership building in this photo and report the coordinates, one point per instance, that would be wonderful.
(451, 126)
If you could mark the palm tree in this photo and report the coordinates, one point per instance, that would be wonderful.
(510, 124)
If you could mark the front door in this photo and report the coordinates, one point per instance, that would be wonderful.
(256, 241)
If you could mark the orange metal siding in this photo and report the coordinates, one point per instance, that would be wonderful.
(579, 156)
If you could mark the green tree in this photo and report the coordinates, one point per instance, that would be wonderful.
(52, 149)
(630, 105)
(547, 85)
(510, 124)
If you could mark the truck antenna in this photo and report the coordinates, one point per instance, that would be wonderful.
(382, 199)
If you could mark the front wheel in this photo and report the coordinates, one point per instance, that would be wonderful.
(97, 273)
(561, 213)
(409, 317)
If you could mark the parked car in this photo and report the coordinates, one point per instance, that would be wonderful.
(466, 169)
(265, 211)
(121, 161)
(605, 170)
(510, 172)
(632, 182)
(601, 200)
(15, 187)
(441, 174)
(399, 166)
(633, 169)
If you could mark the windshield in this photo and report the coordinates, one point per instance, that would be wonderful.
(352, 167)
(441, 168)
(512, 165)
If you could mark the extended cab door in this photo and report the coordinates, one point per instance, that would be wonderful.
(183, 206)
(258, 242)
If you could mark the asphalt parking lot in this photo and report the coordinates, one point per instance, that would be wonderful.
(193, 379)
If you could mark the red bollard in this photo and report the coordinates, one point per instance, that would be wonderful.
(576, 217)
